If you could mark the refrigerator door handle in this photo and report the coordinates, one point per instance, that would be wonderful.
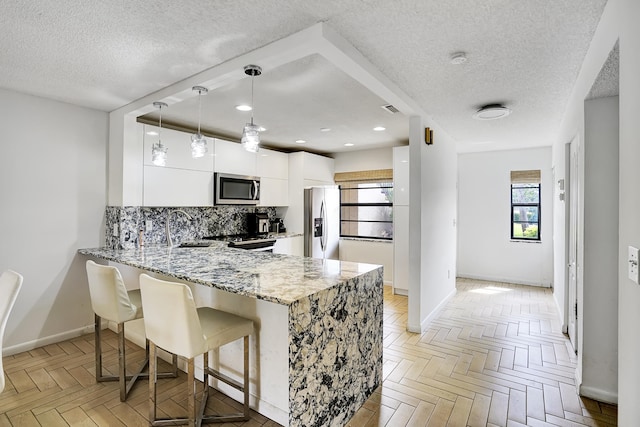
(325, 234)
(324, 225)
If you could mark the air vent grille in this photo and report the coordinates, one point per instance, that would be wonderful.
(390, 109)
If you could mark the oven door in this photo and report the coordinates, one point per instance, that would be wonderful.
(236, 189)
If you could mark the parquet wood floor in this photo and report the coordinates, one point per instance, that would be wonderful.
(495, 356)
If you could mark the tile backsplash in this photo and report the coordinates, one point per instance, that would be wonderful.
(125, 225)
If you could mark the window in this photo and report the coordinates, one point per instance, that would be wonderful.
(366, 210)
(525, 205)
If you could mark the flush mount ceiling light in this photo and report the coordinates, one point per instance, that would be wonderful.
(325, 129)
(198, 141)
(458, 58)
(300, 141)
(243, 107)
(250, 134)
(492, 112)
(159, 151)
(348, 144)
(379, 128)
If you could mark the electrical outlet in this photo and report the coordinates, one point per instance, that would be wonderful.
(148, 225)
(633, 264)
(114, 232)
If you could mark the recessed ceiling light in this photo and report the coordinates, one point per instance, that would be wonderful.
(379, 128)
(492, 112)
(243, 107)
(152, 132)
(348, 144)
(458, 58)
(325, 129)
(300, 141)
(261, 128)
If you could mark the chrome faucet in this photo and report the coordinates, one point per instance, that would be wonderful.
(168, 229)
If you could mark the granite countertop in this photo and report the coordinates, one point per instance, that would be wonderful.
(281, 279)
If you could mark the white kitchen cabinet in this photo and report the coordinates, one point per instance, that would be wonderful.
(401, 250)
(274, 192)
(318, 168)
(178, 146)
(272, 164)
(289, 246)
(273, 170)
(232, 158)
(165, 186)
(401, 176)
(183, 181)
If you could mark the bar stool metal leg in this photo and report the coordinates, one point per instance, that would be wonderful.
(122, 377)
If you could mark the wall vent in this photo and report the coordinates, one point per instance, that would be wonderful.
(390, 109)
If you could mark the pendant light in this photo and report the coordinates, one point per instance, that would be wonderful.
(250, 134)
(198, 141)
(159, 151)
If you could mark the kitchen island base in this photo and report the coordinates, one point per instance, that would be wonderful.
(314, 361)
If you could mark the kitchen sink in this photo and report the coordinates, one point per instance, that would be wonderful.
(194, 245)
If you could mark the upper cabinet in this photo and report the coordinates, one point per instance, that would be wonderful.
(401, 176)
(178, 149)
(318, 168)
(183, 181)
(232, 158)
(273, 170)
(272, 164)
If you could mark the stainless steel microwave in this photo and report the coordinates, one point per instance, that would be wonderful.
(236, 189)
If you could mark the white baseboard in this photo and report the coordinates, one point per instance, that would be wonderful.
(599, 394)
(52, 339)
(403, 292)
(503, 280)
(427, 320)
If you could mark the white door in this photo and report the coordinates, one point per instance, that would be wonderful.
(572, 300)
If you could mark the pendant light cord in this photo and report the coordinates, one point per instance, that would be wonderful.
(252, 100)
(199, 109)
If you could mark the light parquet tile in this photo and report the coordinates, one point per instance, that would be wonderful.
(493, 356)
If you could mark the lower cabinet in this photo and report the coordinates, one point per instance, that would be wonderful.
(289, 246)
(401, 250)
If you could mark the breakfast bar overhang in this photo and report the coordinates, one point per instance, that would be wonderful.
(317, 350)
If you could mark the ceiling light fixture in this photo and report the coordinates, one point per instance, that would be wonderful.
(198, 141)
(243, 107)
(379, 128)
(300, 141)
(458, 58)
(325, 129)
(159, 151)
(348, 144)
(250, 134)
(492, 112)
(152, 133)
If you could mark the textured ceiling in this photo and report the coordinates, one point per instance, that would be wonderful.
(106, 53)
(607, 82)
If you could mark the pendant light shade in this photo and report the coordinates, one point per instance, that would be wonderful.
(159, 151)
(198, 141)
(250, 134)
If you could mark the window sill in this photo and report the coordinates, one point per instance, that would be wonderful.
(364, 239)
(525, 241)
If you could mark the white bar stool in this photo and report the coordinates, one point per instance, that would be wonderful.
(174, 324)
(10, 284)
(111, 301)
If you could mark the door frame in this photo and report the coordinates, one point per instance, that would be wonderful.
(572, 204)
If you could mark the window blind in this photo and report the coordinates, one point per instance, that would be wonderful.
(378, 175)
(525, 177)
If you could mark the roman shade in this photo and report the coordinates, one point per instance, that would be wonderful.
(378, 175)
(525, 177)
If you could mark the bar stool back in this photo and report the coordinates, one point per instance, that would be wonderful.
(111, 301)
(174, 324)
(10, 284)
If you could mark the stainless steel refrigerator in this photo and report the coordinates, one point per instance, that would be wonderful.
(322, 221)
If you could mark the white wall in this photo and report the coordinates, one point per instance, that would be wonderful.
(432, 221)
(485, 248)
(53, 192)
(629, 292)
(352, 161)
(598, 344)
